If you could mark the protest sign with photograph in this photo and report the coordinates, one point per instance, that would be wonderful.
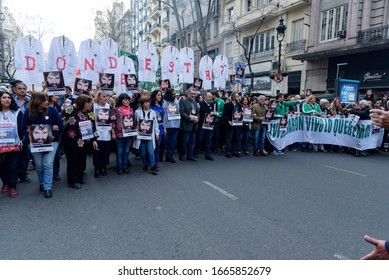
(237, 118)
(103, 117)
(9, 140)
(41, 138)
(208, 121)
(107, 82)
(268, 116)
(247, 114)
(131, 83)
(82, 86)
(128, 124)
(173, 112)
(55, 84)
(145, 129)
(86, 129)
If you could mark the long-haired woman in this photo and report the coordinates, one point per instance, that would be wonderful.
(10, 117)
(156, 106)
(38, 119)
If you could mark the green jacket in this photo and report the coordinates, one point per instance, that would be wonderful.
(309, 110)
(283, 108)
(220, 106)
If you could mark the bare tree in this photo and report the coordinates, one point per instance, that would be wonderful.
(179, 7)
(247, 42)
(202, 22)
(9, 55)
(113, 23)
(36, 26)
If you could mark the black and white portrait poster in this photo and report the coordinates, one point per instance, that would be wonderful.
(173, 113)
(41, 138)
(128, 125)
(145, 129)
(55, 84)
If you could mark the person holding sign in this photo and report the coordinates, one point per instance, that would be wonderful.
(232, 109)
(156, 106)
(207, 109)
(171, 121)
(122, 130)
(148, 134)
(103, 121)
(82, 86)
(39, 120)
(10, 137)
(247, 122)
(79, 131)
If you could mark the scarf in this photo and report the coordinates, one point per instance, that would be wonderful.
(126, 110)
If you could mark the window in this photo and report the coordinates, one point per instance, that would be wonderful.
(332, 21)
(189, 42)
(208, 31)
(262, 2)
(216, 28)
(297, 30)
(230, 14)
(256, 44)
(248, 5)
(246, 43)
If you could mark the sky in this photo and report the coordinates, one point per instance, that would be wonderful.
(72, 18)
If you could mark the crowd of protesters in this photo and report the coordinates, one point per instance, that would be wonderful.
(156, 127)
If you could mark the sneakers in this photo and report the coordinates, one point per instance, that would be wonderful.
(145, 168)
(263, 153)
(76, 186)
(154, 170)
(256, 153)
(247, 153)
(24, 180)
(277, 153)
(119, 171)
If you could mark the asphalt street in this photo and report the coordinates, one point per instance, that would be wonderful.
(298, 206)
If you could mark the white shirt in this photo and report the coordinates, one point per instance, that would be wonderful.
(29, 60)
(205, 71)
(148, 62)
(220, 71)
(89, 60)
(126, 66)
(170, 64)
(186, 68)
(62, 57)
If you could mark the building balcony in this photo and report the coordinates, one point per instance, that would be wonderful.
(257, 57)
(373, 35)
(226, 28)
(155, 12)
(165, 41)
(165, 21)
(296, 46)
(166, 6)
(155, 28)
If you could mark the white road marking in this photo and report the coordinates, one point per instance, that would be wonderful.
(340, 257)
(347, 171)
(233, 197)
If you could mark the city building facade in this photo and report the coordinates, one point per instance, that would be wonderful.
(347, 39)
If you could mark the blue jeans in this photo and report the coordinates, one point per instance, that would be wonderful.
(208, 139)
(146, 149)
(188, 143)
(123, 146)
(171, 140)
(259, 138)
(44, 163)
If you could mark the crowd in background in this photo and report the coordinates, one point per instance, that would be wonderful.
(205, 123)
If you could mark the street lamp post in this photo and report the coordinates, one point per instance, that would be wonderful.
(280, 37)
